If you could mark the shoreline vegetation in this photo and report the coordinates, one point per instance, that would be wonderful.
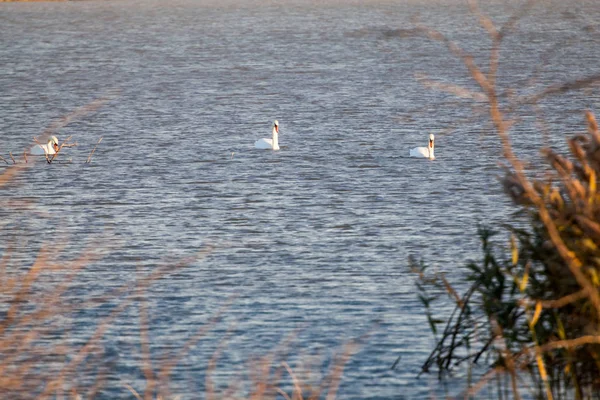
(531, 313)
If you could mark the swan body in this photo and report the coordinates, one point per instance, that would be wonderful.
(42, 149)
(424, 152)
(269, 144)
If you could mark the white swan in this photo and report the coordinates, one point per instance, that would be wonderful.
(424, 152)
(271, 144)
(41, 149)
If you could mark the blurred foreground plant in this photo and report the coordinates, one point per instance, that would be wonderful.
(533, 308)
(40, 359)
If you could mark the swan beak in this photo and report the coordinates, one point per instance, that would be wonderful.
(277, 128)
(430, 143)
(55, 147)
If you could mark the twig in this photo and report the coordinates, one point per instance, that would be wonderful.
(563, 301)
(3, 159)
(79, 112)
(145, 344)
(335, 375)
(473, 390)
(456, 90)
(64, 144)
(43, 148)
(12, 158)
(132, 391)
(90, 156)
(560, 88)
(497, 115)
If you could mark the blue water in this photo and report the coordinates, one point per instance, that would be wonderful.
(312, 239)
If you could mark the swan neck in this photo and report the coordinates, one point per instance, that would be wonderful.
(275, 139)
(50, 147)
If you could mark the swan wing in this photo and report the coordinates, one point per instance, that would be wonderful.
(41, 149)
(420, 152)
(264, 144)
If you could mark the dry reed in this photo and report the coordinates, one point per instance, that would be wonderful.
(553, 275)
(89, 159)
(38, 362)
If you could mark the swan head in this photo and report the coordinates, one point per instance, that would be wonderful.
(431, 139)
(53, 142)
(276, 126)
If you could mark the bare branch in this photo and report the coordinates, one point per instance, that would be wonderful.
(510, 24)
(559, 88)
(466, 58)
(78, 113)
(92, 153)
(563, 301)
(456, 90)
(484, 21)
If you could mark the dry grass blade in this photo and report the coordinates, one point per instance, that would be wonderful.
(65, 374)
(557, 89)
(12, 158)
(168, 365)
(145, 345)
(484, 380)
(593, 127)
(335, 376)
(515, 17)
(563, 301)
(89, 347)
(78, 113)
(260, 381)
(212, 366)
(93, 150)
(49, 302)
(484, 20)
(9, 174)
(297, 393)
(571, 343)
(132, 391)
(3, 159)
(282, 393)
(8, 251)
(26, 283)
(456, 90)
(264, 380)
(466, 58)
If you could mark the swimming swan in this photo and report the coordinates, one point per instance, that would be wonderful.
(271, 144)
(424, 152)
(41, 149)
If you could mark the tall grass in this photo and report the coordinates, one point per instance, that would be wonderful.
(532, 310)
(40, 359)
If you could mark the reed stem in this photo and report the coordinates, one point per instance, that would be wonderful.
(90, 156)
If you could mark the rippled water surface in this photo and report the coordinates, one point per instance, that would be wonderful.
(313, 237)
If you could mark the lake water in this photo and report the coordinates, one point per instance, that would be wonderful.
(314, 237)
